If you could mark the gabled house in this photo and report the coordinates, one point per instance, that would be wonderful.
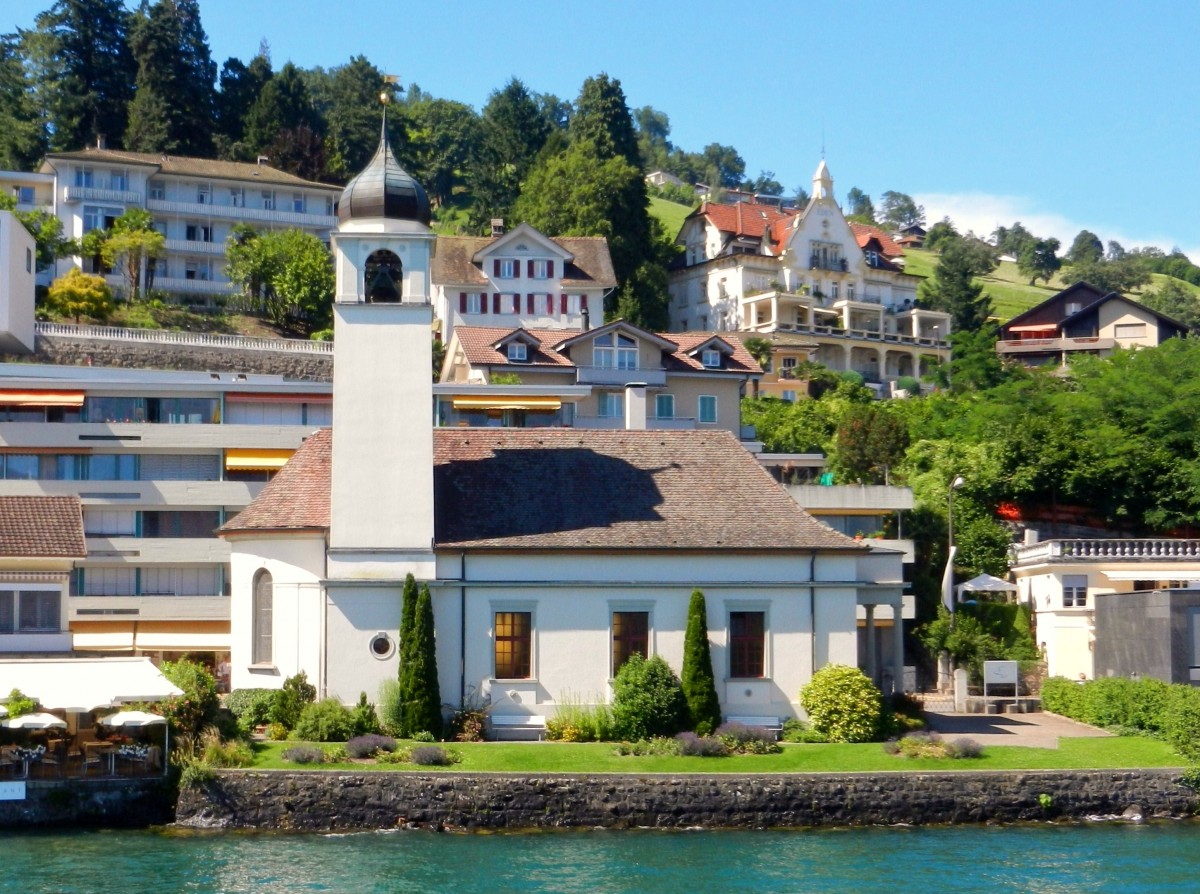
(758, 268)
(1083, 319)
(520, 278)
(583, 377)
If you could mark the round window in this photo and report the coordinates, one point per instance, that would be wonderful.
(382, 646)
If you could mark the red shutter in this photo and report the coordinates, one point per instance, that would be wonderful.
(529, 303)
(462, 302)
(550, 269)
(496, 303)
(550, 304)
(583, 302)
(516, 303)
(483, 302)
(530, 268)
(563, 305)
(496, 267)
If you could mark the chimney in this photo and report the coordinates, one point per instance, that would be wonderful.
(262, 160)
(587, 319)
(101, 141)
(635, 406)
(1031, 536)
(497, 227)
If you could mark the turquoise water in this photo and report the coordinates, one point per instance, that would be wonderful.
(1042, 859)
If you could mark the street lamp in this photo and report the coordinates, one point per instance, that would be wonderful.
(948, 578)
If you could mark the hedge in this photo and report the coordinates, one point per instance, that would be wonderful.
(1147, 706)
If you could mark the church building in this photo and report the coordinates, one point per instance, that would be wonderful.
(552, 554)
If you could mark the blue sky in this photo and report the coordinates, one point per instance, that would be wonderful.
(1061, 115)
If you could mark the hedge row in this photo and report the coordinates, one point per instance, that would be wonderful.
(1147, 706)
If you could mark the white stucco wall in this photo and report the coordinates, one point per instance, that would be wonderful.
(18, 270)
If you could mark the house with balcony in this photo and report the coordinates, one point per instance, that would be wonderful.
(1082, 319)
(520, 278)
(1066, 581)
(593, 378)
(838, 285)
(195, 204)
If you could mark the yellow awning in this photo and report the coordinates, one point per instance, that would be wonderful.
(183, 637)
(256, 459)
(501, 402)
(102, 637)
(11, 397)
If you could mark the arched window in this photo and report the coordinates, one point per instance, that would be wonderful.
(384, 277)
(262, 647)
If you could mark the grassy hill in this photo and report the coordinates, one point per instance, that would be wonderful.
(670, 214)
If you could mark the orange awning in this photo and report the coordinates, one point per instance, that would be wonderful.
(256, 459)
(258, 397)
(1041, 327)
(507, 403)
(41, 398)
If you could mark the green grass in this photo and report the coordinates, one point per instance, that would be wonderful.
(671, 214)
(555, 757)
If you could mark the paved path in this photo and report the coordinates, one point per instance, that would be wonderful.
(1039, 730)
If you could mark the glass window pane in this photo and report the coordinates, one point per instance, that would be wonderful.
(746, 650)
(513, 645)
(630, 633)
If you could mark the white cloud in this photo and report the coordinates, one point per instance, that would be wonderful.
(982, 213)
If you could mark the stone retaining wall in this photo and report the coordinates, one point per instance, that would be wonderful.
(329, 800)
(107, 803)
(143, 355)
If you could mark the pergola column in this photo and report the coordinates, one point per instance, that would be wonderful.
(871, 669)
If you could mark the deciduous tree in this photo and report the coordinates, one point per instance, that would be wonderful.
(1086, 248)
(130, 246)
(77, 294)
(1039, 260)
(898, 210)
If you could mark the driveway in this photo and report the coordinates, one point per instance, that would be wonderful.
(1039, 730)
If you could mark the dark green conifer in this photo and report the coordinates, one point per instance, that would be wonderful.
(424, 709)
(408, 618)
(699, 688)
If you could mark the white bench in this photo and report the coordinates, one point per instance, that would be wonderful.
(771, 724)
(517, 726)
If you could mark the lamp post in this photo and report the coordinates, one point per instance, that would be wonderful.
(948, 580)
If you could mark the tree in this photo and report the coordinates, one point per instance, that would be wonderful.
(1086, 248)
(654, 145)
(1039, 260)
(699, 687)
(801, 196)
(286, 274)
(197, 707)
(23, 137)
(940, 233)
(760, 350)
(443, 136)
(347, 99)
(407, 655)
(1175, 300)
(1011, 240)
(240, 88)
(77, 294)
(175, 93)
(283, 125)
(130, 247)
(85, 70)
(860, 206)
(46, 229)
(900, 211)
(514, 130)
(603, 119)
(1120, 276)
(722, 166)
(764, 184)
(870, 441)
(424, 712)
(952, 288)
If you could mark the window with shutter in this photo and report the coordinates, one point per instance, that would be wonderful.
(462, 302)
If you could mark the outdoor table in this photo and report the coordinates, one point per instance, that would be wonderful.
(102, 749)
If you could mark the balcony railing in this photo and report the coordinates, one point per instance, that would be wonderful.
(195, 247)
(603, 375)
(194, 286)
(1109, 550)
(237, 212)
(853, 334)
(162, 336)
(95, 194)
(1042, 345)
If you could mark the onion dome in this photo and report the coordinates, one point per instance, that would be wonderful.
(384, 189)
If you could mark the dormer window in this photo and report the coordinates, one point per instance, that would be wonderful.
(1074, 307)
(518, 351)
(614, 351)
(710, 358)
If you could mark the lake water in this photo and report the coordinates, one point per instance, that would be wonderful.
(1043, 859)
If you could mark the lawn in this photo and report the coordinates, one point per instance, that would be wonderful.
(670, 214)
(555, 757)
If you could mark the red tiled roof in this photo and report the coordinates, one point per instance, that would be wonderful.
(477, 344)
(743, 218)
(863, 233)
(540, 489)
(41, 527)
(592, 267)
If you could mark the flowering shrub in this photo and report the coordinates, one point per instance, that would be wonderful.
(691, 745)
(657, 745)
(930, 745)
(432, 756)
(197, 707)
(742, 739)
(369, 745)
(843, 704)
(304, 754)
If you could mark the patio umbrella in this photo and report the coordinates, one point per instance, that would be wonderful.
(141, 718)
(34, 721)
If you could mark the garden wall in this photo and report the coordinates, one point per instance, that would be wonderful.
(107, 803)
(330, 800)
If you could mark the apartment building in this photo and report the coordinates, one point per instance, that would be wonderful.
(195, 203)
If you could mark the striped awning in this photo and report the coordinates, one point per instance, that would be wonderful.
(11, 397)
(182, 637)
(502, 402)
(256, 459)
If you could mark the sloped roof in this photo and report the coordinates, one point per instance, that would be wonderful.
(41, 527)
(549, 489)
(864, 233)
(477, 344)
(750, 219)
(592, 267)
(194, 167)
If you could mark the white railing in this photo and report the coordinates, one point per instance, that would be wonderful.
(320, 221)
(1086, 550)
(197, 339)
(194, 286)
(93, 193)
(194, 247)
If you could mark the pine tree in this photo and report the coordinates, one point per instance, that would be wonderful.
(513, 132)
(424, 713)
(22, 131)
(240, 87)
(699, 687)
(283, 125)
(408, 619)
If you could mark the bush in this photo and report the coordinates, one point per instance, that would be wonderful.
(657, 745)
(843, 704)
(18, 704)
(799, 731)
(1113, 702)
(251, 707)
(909, 384)
(423, 736)
(369, 745)
(742, 739)
(363, 717)
(647, 699)
(574, 721)
(391, 708)
(964, 749)
(930, 745)
(691, 745)
(1062, 696)
(277, 732)
(289, 702)
(233, 753)
(325, 721)
(197, 707)
(1181, 721)
(195, 775)
(432, 756)
(304, 754)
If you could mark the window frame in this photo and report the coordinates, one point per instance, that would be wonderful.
(508, 268)
(701, 416)
(659, 400)
(710, 358)
(747, 648)
(262, 619)
(520, 621)
(623, 645)
(1071, 595)
(605, 401)
(518, 352)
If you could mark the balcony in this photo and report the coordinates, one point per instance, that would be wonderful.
(141, 494)
(846, 497)
(95, 194)
(1150, 551)
(601, 375)
(149, 608)
(239, 213)
(837, 265)
(194, 286)
(148, 550)
(193, 247)
(1054, 345)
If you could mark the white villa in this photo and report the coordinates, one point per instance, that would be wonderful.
(552, 554)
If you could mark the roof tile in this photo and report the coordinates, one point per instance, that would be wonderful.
(41, 527)
(592, 267)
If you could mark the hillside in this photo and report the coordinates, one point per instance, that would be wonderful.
(670, 214)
